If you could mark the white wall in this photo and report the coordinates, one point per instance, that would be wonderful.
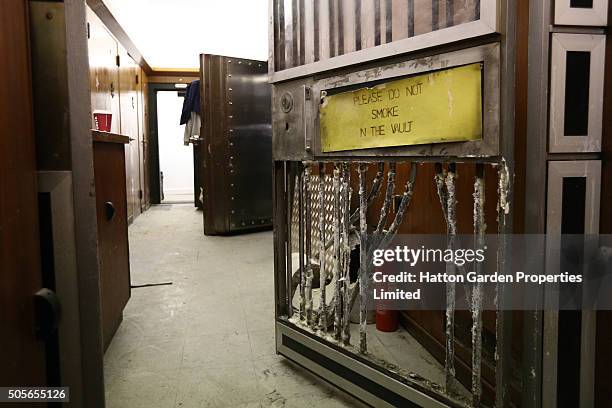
(175, 159)
(173, 33)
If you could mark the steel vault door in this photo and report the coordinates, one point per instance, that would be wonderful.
(320, 196)
(237, 145)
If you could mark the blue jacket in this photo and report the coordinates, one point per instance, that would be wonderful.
(191, 102)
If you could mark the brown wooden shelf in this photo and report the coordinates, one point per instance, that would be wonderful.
(108, 137)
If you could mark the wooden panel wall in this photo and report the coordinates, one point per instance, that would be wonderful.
(104, 74)
(118, 85)
(128, 87)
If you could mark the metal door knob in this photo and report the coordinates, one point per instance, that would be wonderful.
(109, 210)
(47, 313)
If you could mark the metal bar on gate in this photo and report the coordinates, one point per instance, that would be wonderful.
(450, 13)
(348, 25)
(316, 40)
(290, 182)
(333, 51)
(384, 209)
(440, 180)
(346, 252)
(388, 21)
(479, 230)
(367, 24)
(435, 15)
(336, 266)
(322, 271)
(308, 237)
(399, 20)
(377, 13)
(279, 27)
(309, 35)
(363, 255)
(503, 320)
(411, 18)
(287, 28)
(302, 30)
(358, 43)
(324, 31)
(295, 30)
(445, 185)
(301, 243)
(340, 27)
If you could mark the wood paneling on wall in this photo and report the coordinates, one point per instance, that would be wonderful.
(118, 85)
(104, 74)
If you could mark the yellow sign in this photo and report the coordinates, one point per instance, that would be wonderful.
(438, 107)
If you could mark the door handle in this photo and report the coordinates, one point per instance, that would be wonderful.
(47, 313)
(109, 209)
(307, 93)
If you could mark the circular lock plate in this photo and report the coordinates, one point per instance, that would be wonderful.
(286, 102)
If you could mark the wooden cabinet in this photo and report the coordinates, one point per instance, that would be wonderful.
(113, 249)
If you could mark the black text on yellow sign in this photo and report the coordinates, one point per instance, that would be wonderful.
(437, 107)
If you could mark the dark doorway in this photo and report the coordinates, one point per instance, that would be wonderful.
(171, 163)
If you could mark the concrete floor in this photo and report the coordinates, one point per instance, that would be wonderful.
(182, 198)
(207, 340)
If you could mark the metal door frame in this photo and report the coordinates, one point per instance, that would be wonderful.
(155, 184)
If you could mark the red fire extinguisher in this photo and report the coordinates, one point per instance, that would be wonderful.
(387, 320)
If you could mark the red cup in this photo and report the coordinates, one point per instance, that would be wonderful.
(102, 120)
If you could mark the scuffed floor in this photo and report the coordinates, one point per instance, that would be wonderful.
(207, 340)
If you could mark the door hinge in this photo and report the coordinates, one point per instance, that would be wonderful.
(88, 31)
(118, 60)
(136, 79)
(140, 194)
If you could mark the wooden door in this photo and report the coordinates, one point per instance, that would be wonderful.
(22, 356)
(128, 70)
(146, 166)
(142, 132)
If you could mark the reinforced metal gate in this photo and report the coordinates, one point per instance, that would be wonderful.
(402, 117)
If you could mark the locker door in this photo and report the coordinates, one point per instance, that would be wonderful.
(22, 355)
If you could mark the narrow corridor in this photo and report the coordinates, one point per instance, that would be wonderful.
(206, 340)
